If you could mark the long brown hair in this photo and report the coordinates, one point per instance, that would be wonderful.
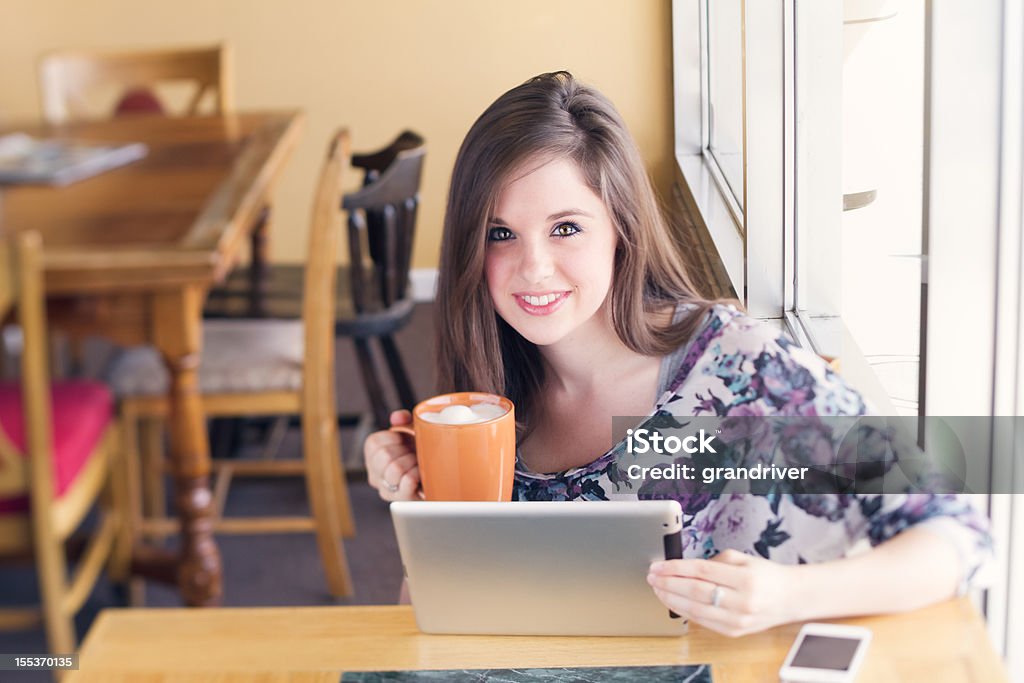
(552, 116)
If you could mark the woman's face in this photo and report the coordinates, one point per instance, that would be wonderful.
(550, 254)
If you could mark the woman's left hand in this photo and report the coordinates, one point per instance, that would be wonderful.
(753, 594)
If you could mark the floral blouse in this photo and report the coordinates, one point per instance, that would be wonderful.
(736, 365)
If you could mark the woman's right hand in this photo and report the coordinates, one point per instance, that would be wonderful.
(391, 465)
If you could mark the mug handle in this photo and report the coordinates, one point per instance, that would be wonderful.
(406, 429)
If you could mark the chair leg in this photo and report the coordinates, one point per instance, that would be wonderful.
(398, 373)
(344, 506)
(151, 442)
(343, 503)
(372, 384)
(258, 268)
(52, 571)
(122, 506)
(132, 477)
(319, 450)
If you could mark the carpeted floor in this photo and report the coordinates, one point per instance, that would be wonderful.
(275, 569)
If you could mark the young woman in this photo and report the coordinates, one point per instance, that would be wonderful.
(561, 286)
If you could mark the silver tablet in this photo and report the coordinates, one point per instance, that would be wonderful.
(538, 568)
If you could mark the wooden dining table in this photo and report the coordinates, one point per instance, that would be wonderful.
(945, 643)
(131, 253)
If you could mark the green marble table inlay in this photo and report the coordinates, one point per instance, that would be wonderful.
(695, 673)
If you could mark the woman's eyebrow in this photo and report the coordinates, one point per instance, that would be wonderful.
(569, 212)
(553, 217)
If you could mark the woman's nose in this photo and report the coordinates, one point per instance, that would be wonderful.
(536, 264)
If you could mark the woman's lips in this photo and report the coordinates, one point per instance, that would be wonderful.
(543, 304)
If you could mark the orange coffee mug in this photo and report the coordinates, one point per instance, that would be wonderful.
(471, 459)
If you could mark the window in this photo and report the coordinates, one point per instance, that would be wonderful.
(867, 292)
(725, 78)
(725, 93)
(871, 200)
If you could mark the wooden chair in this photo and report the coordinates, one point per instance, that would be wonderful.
(68, 78)
(374, 301)
(257, 368)
(59, 453)
(375, 163)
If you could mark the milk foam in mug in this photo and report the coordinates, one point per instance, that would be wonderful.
(459, 414)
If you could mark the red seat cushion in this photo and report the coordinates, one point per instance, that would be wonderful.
(81, 412)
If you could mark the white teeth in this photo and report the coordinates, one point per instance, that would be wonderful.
(542, 300)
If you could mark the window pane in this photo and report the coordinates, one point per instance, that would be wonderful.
(883, 95)
(725, 91)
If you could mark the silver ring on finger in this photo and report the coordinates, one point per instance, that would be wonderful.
(392, 488)
(716, 596)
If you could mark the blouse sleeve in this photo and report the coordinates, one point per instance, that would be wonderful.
(951, 516)
(747, 368)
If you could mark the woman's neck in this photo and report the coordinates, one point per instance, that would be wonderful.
(588, 360)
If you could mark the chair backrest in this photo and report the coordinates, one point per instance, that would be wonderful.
(320, 290)
(374, 163)
(21, 289)
(384, 212)
(67, 78)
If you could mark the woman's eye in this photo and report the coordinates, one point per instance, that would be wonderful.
(566, 230)
(499, 234)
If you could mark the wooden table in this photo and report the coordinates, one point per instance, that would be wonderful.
(944, 643)
(131, 253)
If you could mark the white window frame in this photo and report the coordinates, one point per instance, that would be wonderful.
(972, 214)
(758, 244)
(974, 177)
(748, 239)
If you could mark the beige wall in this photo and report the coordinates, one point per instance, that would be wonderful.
(376, 66)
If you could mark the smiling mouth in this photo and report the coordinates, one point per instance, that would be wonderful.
(543, 304)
